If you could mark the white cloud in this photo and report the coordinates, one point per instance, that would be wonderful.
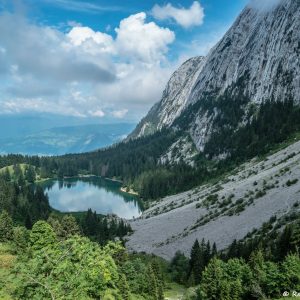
(120, 114)
(83, 72)
(98, 113)
(146, 42)
(92, 41)
(264, 5)
(186, 17)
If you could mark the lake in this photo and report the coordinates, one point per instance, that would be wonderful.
(101, 195)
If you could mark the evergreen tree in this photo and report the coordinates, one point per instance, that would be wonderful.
(159, 280)
(214, 251)
(6, 175)
(124, 288)
(212, 280)
(21, 180)
(20, 238)
(284, 243)
(196, 261)
(30, 174)
(69, 226)
(6, 227)
(290, 273)
(179, 268)
(152, 284)
(41, 235)
(295, 237)
(17, 171)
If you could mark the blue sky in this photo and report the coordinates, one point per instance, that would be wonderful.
(103, 59)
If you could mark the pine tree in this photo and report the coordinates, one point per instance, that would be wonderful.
(123, 287)
(212, 280)
(207, 253)
(6, 227)
(295, 237)
(69, 226)
(214, 251)
(152, 284)
(196, 261)
(41, 235)
(30, 174)
(159, 280)
(284, 245)
(20, 238)
(6, 175)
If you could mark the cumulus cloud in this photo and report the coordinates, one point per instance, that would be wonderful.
(186, 17)
(143, 41)
(98, 113)
(35, 51)
(83, 72)
(93, 42)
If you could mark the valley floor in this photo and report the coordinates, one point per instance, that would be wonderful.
(223, 211)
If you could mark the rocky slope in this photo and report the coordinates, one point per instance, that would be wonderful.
(173, 100)
(258, 58)
(226, 210)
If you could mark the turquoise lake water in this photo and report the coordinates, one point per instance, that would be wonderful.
(101, 195)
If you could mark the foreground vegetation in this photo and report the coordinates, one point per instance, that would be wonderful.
(48, 255)
(48, 263)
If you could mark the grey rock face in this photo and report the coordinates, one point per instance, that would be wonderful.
(262, 48)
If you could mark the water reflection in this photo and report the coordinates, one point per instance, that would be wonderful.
(103, 196)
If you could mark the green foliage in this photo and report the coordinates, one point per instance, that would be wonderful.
(6, 227)
(41, 236)
(101, 229)
(30, 174)
(124, 288)
(290, 271)
(69, 226)
(179, 268)
(24, 203)
(20, 239)
(73, 269)
(200, 257)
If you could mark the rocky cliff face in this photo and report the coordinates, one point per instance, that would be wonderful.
(258, 59)
(174, 98)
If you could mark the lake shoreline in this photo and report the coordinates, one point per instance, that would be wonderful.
(123, 189)
(99, 194)
(130, 192)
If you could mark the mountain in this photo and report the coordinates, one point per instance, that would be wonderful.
(232, 108)
(258, 194)
(67, 139)
(256, 61)
(173, 100)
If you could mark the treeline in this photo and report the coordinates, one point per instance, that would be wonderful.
(27, 203)
(23, 202)
(270, 123)
(136, 162)
(246, 270)
(102, 229)
(57, 263)
(261, 267)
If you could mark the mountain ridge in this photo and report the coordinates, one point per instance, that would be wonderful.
(260, 51)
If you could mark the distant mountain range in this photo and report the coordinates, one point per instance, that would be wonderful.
(33, 137)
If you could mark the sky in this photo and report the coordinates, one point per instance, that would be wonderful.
(108, 60)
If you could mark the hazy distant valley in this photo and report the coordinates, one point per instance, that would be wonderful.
(52, 136)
